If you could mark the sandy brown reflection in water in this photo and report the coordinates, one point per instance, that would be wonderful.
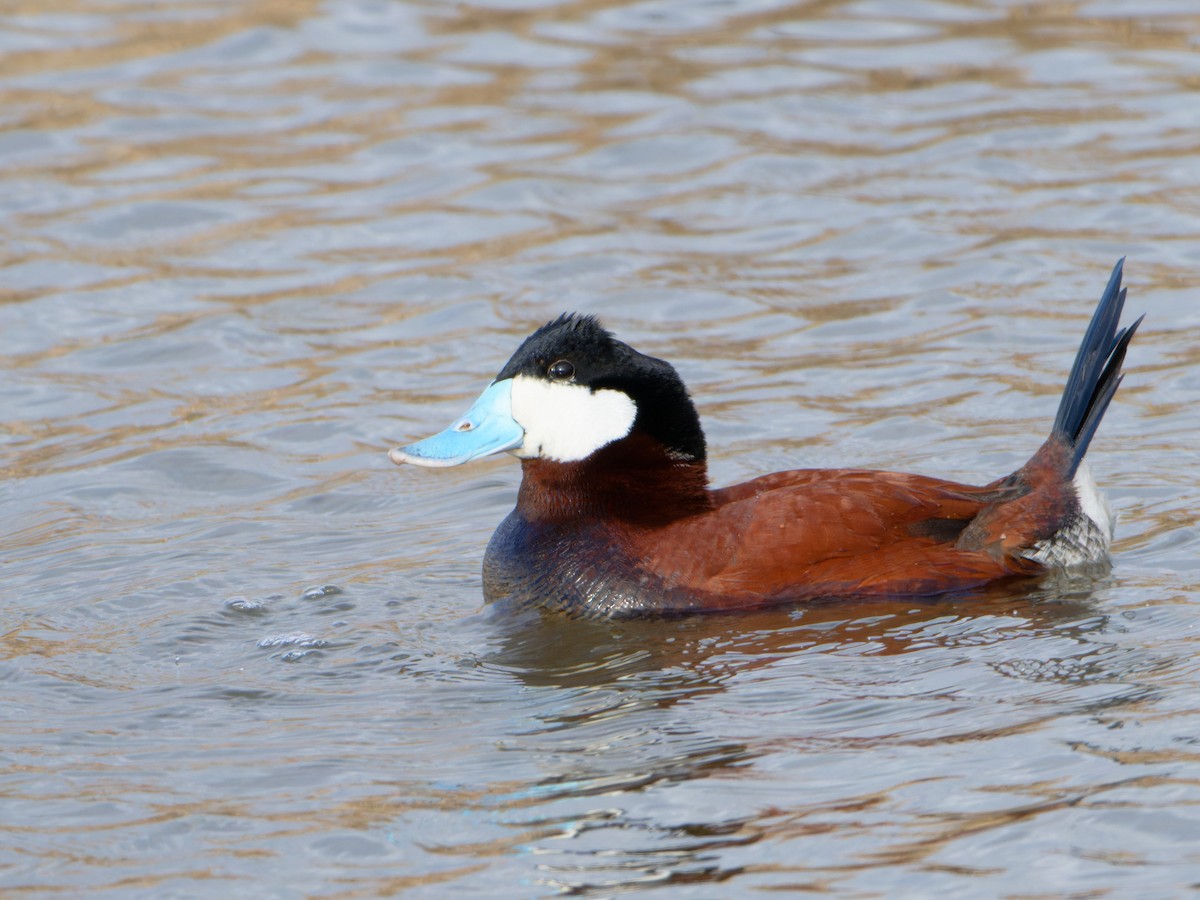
(246, 247)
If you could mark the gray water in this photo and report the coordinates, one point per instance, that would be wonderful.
(246, 247)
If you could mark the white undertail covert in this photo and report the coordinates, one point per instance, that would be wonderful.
(1086, 538)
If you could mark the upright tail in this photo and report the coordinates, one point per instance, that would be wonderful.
(1096, 374)
(1048, 513)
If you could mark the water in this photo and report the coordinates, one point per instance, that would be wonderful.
(249, 246)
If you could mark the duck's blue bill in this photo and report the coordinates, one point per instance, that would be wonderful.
(487, 428)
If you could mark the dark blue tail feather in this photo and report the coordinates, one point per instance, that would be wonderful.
(1096, 375)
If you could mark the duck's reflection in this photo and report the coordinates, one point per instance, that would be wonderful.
(638, 705)
(699, 653)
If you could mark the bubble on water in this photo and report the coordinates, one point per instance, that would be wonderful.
(299, 639)
(316, 593)
(246, 604)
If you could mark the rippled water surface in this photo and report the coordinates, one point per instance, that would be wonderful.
(248, 246)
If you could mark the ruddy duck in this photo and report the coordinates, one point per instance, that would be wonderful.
(614, 515)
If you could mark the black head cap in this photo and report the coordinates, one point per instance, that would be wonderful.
(579, 350)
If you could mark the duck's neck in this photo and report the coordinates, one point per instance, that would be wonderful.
(633, 481)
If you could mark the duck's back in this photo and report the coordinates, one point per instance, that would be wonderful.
(816, 534)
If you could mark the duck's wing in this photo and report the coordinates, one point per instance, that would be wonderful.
(811, 534)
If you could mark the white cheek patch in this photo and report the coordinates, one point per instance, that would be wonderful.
(568, 422)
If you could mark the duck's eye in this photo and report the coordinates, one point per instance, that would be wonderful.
(561, 371)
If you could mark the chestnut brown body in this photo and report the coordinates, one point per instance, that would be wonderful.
(597, 541)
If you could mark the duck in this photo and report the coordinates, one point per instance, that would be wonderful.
(615, 516)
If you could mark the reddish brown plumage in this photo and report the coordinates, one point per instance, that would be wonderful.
(804, 534)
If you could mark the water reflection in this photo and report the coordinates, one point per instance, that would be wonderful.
(633, 716)
(547, 650)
